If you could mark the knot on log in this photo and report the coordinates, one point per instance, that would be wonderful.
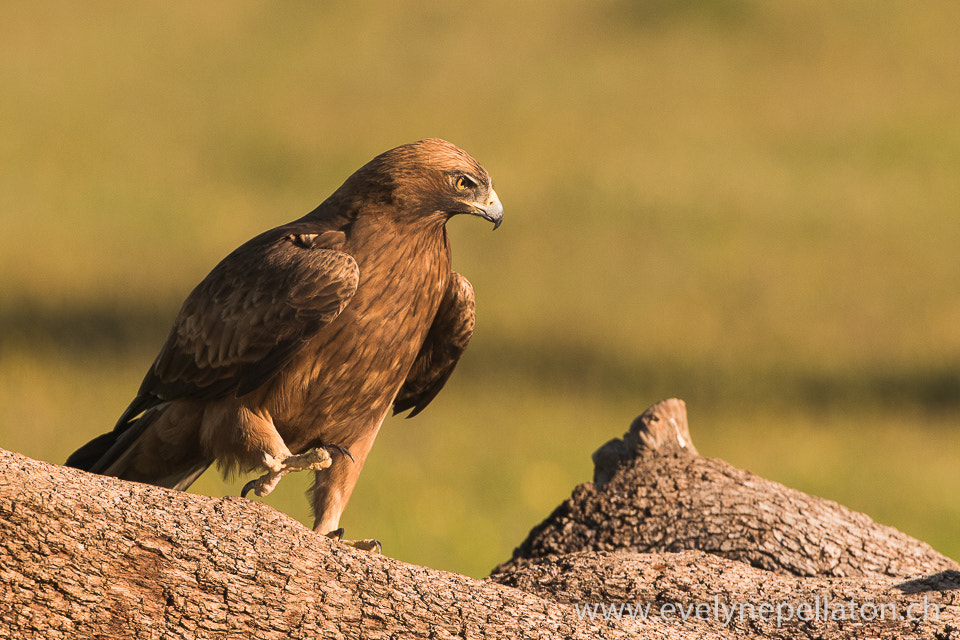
(653, 493)
(662, 429)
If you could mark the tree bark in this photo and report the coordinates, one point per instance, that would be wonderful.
(652, 493)
(86, 556)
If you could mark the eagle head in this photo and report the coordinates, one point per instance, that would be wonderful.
(431, 179)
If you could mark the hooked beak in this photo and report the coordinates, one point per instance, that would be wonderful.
(492, 210)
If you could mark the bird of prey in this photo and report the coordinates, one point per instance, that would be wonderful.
(296, 345)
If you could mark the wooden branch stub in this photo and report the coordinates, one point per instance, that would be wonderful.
(656, 495)
(662, 429)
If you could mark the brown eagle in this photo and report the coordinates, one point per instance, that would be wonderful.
(298, 342)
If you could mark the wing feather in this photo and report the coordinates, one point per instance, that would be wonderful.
(250, 315)
(446, 341)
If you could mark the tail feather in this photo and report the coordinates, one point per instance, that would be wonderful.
(127, 435)
(182, 481)
(115, 454)
(89, 454)
(99, 453)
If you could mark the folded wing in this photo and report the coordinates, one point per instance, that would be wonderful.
(238, 327)
(445, 343)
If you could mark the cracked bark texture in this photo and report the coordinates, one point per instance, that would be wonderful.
(85, 556)
(653, 493)
(738, 601)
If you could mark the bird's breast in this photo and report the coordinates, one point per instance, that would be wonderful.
(345, 378)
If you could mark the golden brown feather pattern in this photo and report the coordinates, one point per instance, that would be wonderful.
(446, 341)
(305, 335)
(253, 312)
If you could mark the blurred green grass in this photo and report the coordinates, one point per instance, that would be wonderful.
(752, 206)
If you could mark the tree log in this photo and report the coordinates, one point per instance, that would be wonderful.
(715, 597)
(652, 493)
(85, 556)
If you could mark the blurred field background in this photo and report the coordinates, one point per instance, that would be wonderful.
(754, 206)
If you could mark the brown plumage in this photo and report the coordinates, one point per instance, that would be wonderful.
(304, 336)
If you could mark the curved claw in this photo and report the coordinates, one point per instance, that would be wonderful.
(247, 488)
(343, 451)
(314, 459)
(372, 544)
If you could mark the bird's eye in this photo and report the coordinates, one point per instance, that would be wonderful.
(465, 182)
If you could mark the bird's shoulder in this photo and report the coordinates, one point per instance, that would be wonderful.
(251, 313)
(284, 264)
